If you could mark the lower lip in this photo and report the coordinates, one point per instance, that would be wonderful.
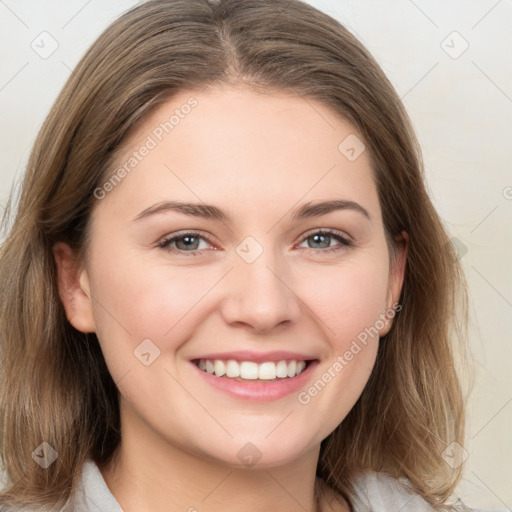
(262, 391)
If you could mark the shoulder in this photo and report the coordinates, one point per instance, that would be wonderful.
(90, 495)
(380, 492)
(92, 492)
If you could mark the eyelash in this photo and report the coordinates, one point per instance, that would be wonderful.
(344, 242)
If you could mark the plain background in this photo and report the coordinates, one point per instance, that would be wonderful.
(450, 62)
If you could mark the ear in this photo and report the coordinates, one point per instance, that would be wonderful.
(396, 278)
(74, 290)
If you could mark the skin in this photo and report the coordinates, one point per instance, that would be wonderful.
(258, 157)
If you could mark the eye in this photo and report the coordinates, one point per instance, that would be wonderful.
(324, 237)
(186, 243)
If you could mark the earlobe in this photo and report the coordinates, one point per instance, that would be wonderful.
(74, 290)
(396, 279)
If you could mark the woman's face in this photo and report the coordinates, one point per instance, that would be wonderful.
(252, 278)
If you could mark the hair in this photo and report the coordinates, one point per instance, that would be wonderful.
(55, 385)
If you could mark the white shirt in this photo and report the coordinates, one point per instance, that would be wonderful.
(376, 492)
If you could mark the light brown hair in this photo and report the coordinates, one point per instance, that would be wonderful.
(55, 385)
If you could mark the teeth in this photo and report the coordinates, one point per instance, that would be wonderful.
(292, 368)
(282, 369)
(252, 371)
(249, 370)
(267, 371)
(232, 369)
(219, 367)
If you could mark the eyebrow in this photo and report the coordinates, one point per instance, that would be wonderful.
(207, 211)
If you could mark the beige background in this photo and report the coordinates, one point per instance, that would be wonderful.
(460, 101)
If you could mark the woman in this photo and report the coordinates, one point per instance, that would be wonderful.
(172, 336)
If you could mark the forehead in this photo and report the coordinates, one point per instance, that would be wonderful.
(232, 144)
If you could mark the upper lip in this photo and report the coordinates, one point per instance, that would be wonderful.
(257, 357)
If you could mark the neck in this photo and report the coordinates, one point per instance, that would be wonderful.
(148, 473)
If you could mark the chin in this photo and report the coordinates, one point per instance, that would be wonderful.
(260, 454)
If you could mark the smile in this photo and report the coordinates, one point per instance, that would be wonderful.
(250, 370)
(261, 381)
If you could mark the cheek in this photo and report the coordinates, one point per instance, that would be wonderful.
(348, 297)
(348, 300)
(134, 303)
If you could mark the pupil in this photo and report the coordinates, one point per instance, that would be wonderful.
(188, 240)
(316, 237)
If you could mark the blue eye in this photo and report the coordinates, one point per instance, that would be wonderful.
(190, 241)
(327, 234)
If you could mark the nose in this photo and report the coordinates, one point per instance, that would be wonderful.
(260, 295)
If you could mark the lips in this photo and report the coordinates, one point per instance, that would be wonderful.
(256, 376)
(257, 357)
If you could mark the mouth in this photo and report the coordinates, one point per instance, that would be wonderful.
(250, 371)
(256, 376)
